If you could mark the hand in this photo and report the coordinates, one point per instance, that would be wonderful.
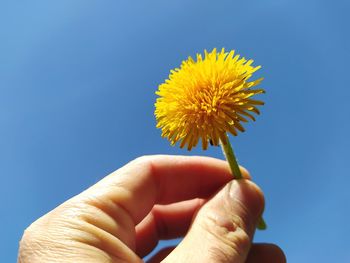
(122, 217)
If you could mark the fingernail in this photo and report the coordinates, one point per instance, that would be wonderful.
(248, 195)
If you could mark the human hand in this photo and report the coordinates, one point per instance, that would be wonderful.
(122, 217)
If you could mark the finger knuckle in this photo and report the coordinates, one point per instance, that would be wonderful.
(231, 238)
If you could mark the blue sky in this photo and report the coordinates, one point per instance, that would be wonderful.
(77, 83)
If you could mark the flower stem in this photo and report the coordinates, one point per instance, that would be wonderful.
(236, 172)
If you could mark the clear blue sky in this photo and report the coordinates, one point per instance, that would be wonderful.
(77, 82)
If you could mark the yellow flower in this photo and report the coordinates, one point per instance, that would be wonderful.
(206, 98)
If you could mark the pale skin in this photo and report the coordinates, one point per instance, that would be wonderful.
(122, 217)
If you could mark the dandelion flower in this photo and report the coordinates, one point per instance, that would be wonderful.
(206, 98)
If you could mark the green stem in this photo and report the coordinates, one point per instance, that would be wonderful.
(230, 157)
(236, 172)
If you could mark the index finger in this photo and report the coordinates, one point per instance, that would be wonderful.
(162, 179)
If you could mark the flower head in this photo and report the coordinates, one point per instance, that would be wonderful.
(207, 97)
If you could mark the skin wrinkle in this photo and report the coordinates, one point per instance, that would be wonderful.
(99, 237)
(107, 257)
(113, 212)
(42, 247)
(60, 229)
(103, 256)
(218, 254)
(116, 192)
(105, 242)
(230, 235)
(240, 221)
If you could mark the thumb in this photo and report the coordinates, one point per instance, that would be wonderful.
(223, 229)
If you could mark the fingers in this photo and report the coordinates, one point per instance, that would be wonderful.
(266, 253)
(121, 200)
(160, 180)
(125, 197)
(223, 228)
(165, 222)
(104, 216)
